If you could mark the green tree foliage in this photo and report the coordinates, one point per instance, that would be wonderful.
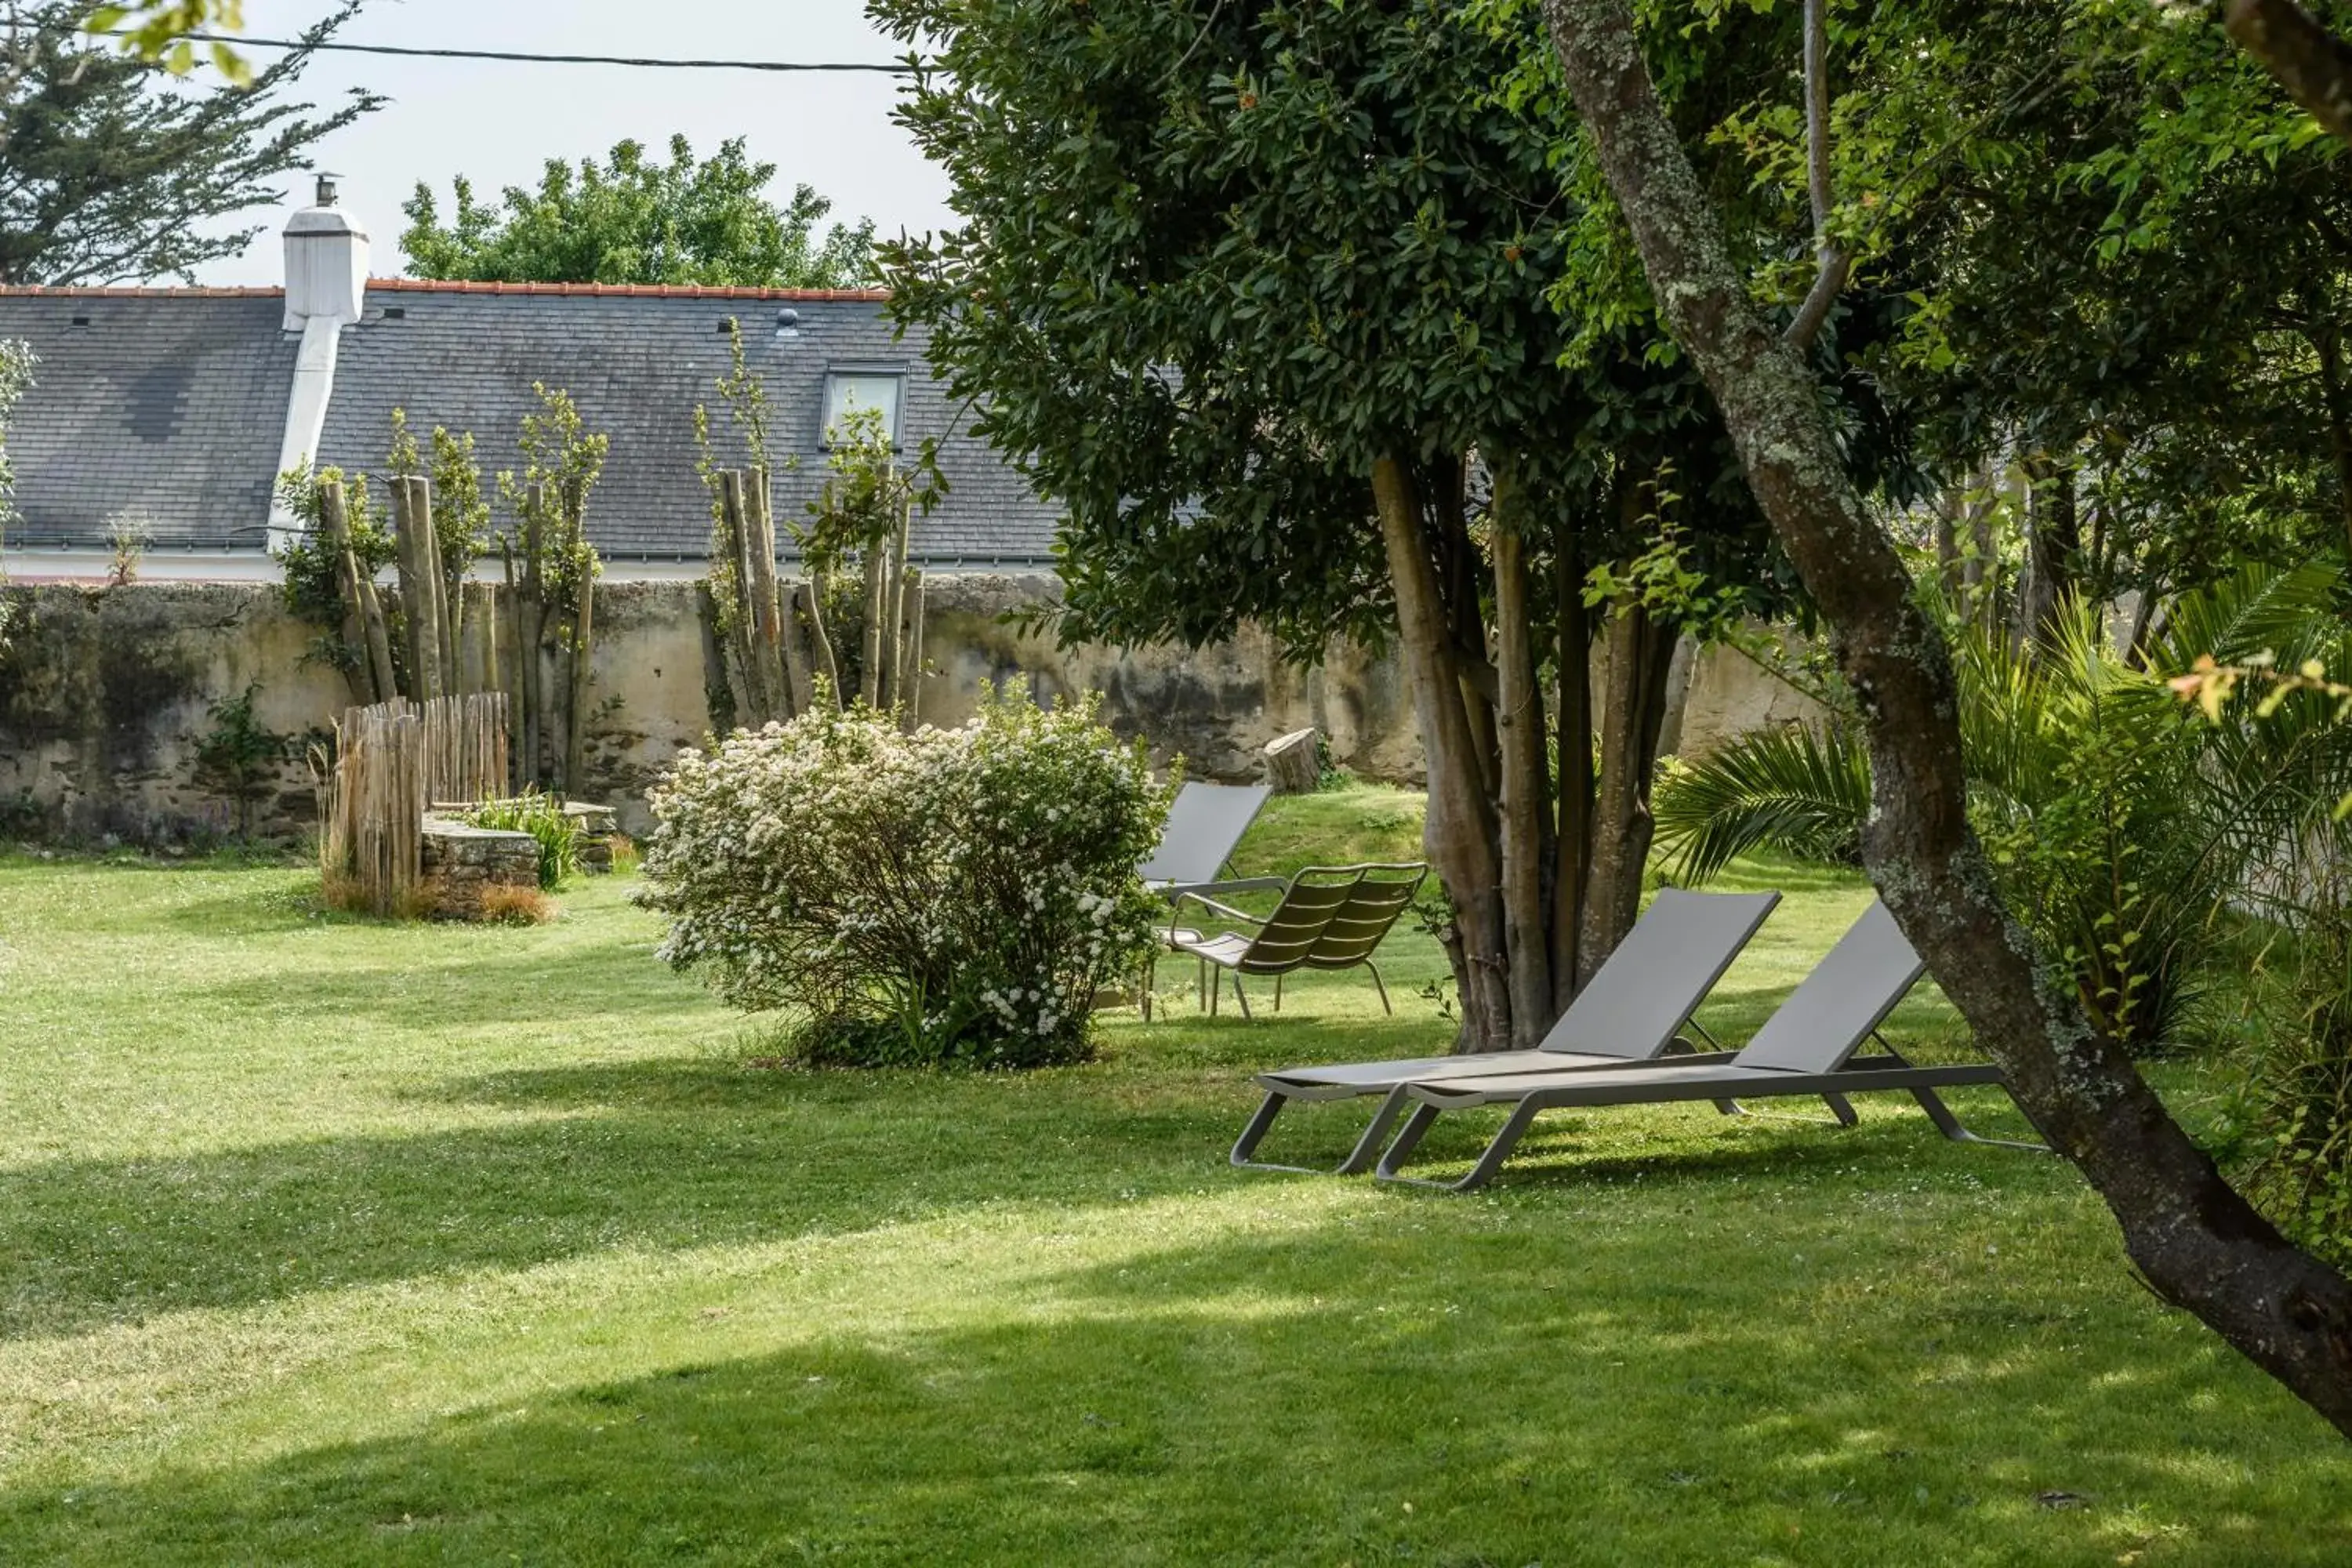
(311, 584)
(110, 170)
(1267, 297)
(2125, 258)
(564, 457)
(636, 219)
(159, 31)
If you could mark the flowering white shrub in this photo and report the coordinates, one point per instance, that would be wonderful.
(952, 895)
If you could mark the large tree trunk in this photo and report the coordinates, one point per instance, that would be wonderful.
(1572, 836)
(1460, 833)
(1640, 649)
(1519, 725)
(2196, 1240)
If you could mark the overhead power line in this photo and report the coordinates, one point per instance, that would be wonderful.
(892, 67)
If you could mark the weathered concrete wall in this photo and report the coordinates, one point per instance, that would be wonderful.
(103, 699)
(104, 696)
(1217, 707)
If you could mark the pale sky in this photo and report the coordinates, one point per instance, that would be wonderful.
(498, 122)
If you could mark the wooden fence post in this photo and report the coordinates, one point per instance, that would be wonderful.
(774, 661)
(531, 614)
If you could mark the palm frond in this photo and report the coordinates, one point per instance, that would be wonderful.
(1804, 793)
(2258, 609)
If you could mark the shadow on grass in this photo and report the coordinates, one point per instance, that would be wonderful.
(1553, 1396)
(672, 1154)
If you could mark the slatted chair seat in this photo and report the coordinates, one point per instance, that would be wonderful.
(1329, 917)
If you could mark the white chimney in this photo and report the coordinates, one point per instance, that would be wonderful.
(325, 262)
(326, 289)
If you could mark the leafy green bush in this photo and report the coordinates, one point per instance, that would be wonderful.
(2292, 1128)
(2118, 825)
(951, 896)
(543, 817)
(238, 757)
(312, 586)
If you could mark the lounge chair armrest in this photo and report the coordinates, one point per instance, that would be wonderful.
(1178, 890)
(1208, 903)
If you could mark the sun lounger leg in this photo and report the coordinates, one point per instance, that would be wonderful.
(1950, 1127)
(1367, 1152)
(1254, 1133)
(1240, 995)
(1277, 993)
(1941, 1114)
(1489, 1162)
(1416, 1127)
(1378, 986)
(1360, 1159)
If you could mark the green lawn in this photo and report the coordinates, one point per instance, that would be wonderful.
(331, 1242)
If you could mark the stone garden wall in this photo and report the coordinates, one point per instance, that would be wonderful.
(104, 696)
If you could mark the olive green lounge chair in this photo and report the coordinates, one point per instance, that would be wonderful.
(1329, 917)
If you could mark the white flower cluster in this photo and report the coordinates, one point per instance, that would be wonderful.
(839, 868)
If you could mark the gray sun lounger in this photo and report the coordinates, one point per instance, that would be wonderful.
(1205, 824)
(1630, 1012)
(1806, 1048)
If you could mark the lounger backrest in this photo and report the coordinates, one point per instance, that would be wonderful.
(1848, 995)
(1204, 824)
(1298, 922)
(1355, 926)
(1659, 974)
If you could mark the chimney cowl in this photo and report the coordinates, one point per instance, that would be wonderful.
(326, 261)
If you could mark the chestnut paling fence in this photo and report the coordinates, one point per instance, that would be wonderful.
(391, 762)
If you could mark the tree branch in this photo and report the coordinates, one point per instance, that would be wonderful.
(2313, 64)
(2199, 1243)
(1833, 261)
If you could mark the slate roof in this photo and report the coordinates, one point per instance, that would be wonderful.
(164, 404)
(173, 401)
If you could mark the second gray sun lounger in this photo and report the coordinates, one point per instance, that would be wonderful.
(1806, 1048)
(1205, 825)
(1630, 1012)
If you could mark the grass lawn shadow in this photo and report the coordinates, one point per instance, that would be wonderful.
(1554, 1394)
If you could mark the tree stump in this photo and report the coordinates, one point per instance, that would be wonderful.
(1294, 763)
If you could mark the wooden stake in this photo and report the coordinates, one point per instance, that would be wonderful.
(914, 640)
(735, 526)
(761, 541)
(575, 707)
(813, 596)
(580, 639)
(531, 614)
(334, 519)
(869, 671)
